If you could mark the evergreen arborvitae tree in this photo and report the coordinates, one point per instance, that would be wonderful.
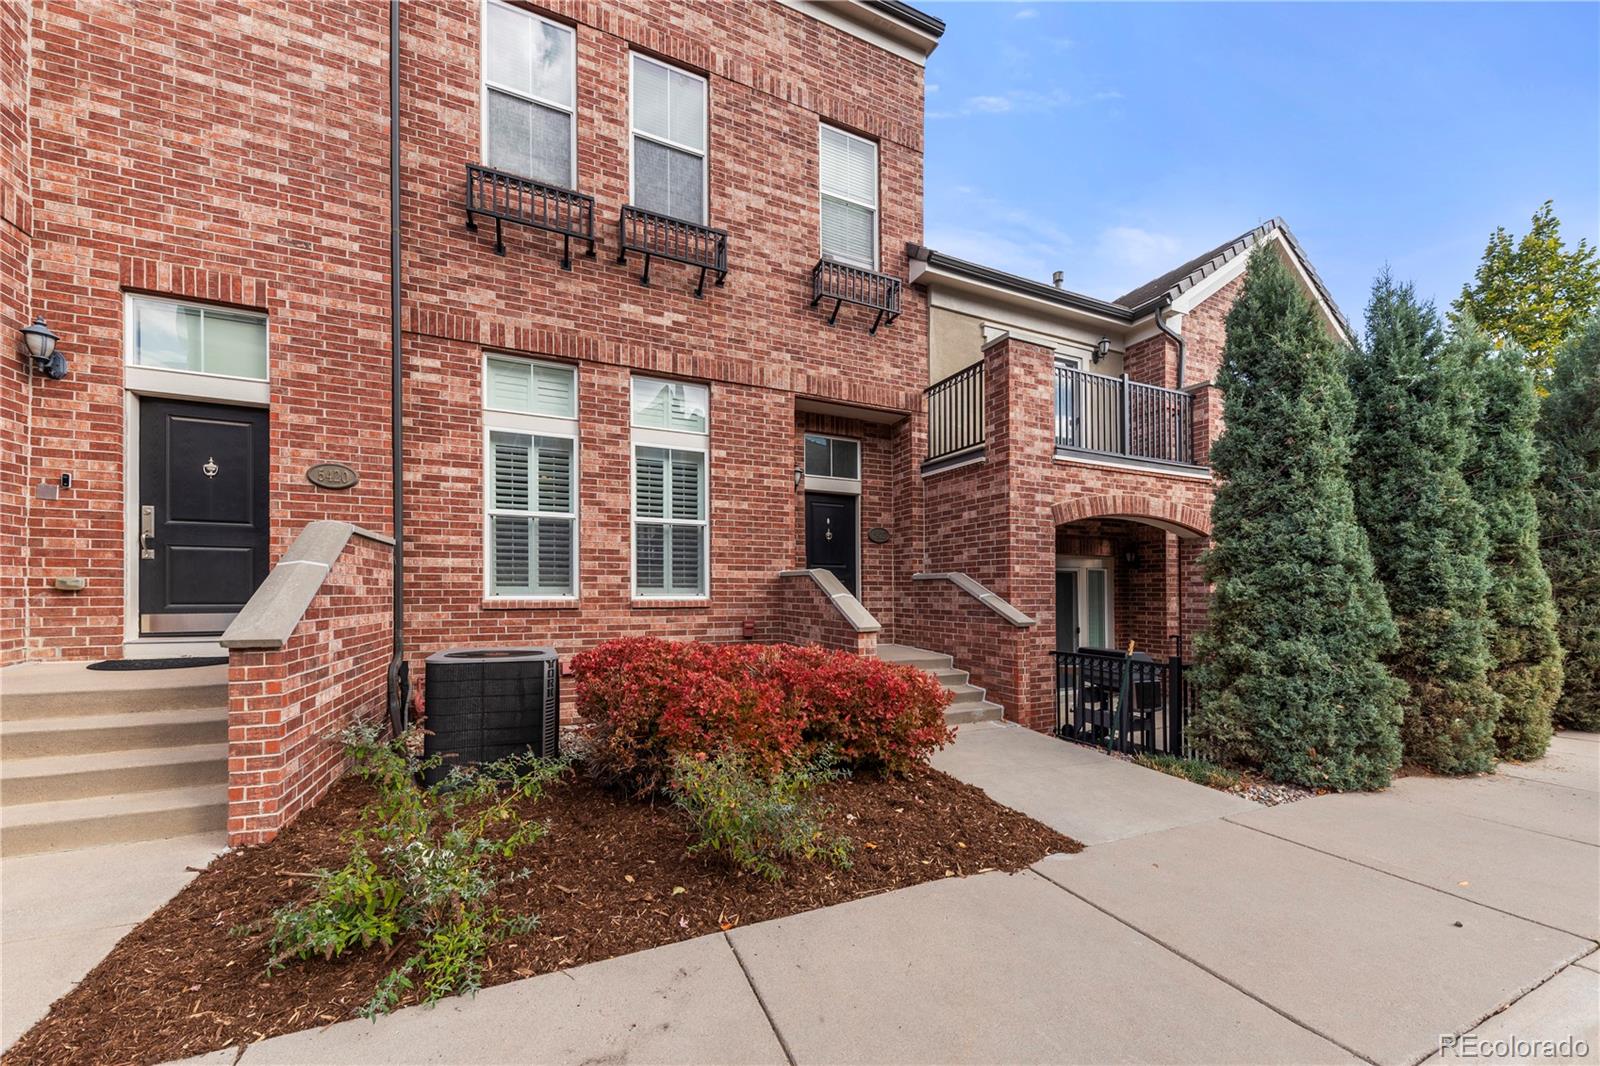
(1289, 673)
(1501, 472)
(1569, 518)
(1414, 407)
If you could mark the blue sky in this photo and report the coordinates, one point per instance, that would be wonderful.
(1114, 141)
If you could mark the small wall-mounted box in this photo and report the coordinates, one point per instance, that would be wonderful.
(71, 584)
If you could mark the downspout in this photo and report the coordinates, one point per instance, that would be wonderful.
(399, 687)
(1164, 328)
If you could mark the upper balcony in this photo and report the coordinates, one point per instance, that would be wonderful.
(1096, 416)
(1100, 415)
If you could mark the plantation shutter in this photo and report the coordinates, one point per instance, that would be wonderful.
(688, 485)
(650, 483)
(848, 171)
(511, 537)
(531, 388)
(536, 476)
(513, 464)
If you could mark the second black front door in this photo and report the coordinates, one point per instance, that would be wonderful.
(202, 514)
(831, 535)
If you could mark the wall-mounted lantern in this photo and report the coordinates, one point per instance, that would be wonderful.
(41, 342)
(1102, 349)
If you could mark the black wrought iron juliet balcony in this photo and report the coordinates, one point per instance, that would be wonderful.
(525, 202)
(664, 237)
(846, 284)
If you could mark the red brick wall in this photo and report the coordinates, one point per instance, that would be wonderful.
(1205, 332)
(773, 74)
(16, 249)
(222, 152)
(286, 707)
(802, 614)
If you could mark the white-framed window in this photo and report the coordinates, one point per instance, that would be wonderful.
(668, 120)
(197, 338)
(671, 493)
(834, 457)
(529, 90)
(848, 176)
(531, 479)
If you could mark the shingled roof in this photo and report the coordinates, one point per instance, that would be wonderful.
(1179, 280)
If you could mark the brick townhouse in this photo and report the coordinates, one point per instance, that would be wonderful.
(666, 329)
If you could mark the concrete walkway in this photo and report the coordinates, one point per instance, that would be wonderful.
(62, 912)
(1199, 929)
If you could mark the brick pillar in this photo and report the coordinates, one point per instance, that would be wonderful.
(1207, 421)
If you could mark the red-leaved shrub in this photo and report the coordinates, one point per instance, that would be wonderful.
(645, 701)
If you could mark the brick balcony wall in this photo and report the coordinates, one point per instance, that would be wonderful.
(286, 707)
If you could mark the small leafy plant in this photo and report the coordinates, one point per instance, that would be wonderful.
(756, 818)
(1199, 771)
(423, 860)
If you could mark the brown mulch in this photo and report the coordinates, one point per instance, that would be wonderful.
(604, 883)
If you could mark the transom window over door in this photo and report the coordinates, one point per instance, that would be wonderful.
(671, 534)
(849, 178)
(172, 335)
(669, 140)
(529, 84)
(531, 495)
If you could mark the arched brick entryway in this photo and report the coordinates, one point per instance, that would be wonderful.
(1175, 518)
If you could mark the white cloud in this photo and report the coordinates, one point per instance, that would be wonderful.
(1026, 13)
(1106, 94)
(931, 88)
(988, 105)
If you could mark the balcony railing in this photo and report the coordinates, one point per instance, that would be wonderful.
(524, 202)
(955, 415)
(1103, 415)
(845, 284)
(664, 237)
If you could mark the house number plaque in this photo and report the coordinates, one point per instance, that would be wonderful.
(332, 476)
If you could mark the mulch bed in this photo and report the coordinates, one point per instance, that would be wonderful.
(604, 883)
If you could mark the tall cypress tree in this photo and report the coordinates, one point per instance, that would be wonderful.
(1414, 406)
(1569, 515)
(1289, 674)
(1501, 472)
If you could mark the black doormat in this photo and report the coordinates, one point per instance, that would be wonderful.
(159, 664)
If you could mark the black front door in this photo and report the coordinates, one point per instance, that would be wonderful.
(831, 536)
(202, 520)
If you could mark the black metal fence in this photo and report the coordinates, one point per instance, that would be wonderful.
(1117, 416)
(1121, 702)
(955, 413)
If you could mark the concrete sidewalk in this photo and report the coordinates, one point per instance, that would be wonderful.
(1336, 929)
(62, 912)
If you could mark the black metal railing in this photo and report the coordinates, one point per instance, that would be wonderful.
(524, 202)
(1116, 416)
(846, 284)
(664, 237)
(1122, 702)
(955, 413)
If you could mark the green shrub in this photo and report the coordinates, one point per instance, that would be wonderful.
(1199, 771)
(423, 860)
(1289, 677)
(1415, 402)
(1569, 519)
(1502, 471)
(755, 818)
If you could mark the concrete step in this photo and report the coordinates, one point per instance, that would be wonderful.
(81, 735)
(80, 823)
(967, 713)
(921, 658)
(962, 694)
(52, 778)
(950, 677)
(58, 690)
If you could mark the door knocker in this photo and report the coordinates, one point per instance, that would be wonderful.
(211, 468)
(827, 534)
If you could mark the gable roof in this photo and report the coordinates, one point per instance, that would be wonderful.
(1177, 281)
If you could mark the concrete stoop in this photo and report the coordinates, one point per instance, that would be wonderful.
(968, 703)
(100, 757)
